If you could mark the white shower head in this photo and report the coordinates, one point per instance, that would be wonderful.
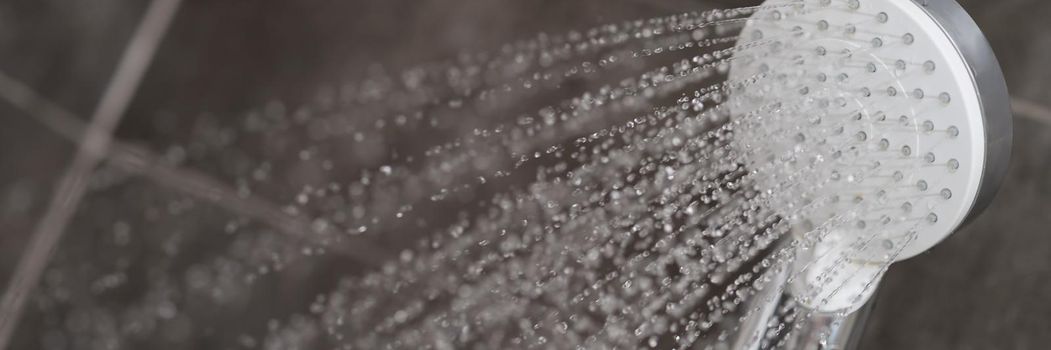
(877, 128)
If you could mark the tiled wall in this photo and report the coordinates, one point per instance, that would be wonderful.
(988, 286)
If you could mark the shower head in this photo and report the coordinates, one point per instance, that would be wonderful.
(876, 128)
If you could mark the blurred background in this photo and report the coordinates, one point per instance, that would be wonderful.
(988, 286)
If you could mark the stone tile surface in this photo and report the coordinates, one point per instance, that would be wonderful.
(65, 53)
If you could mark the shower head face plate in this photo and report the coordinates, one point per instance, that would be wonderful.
(876, 128)
(865, 121)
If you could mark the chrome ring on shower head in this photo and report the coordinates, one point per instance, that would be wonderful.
(988, 79)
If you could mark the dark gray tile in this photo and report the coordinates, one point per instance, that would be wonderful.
(65, 50)
(1020, 34)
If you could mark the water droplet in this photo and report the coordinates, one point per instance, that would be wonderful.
(953, 131)
(954, 165)
(908, 39)
(929, 66)
(861, 136)
(901, 65)
(944, 98)
(928, 126)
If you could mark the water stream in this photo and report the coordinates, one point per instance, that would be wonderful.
(586, 190)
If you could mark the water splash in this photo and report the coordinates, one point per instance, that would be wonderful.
(603, 188)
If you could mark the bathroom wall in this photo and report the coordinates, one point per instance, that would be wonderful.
(988, 286)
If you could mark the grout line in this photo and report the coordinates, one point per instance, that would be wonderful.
(1031, 110)
(144, 162)
(54, 117)
(96, 140)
